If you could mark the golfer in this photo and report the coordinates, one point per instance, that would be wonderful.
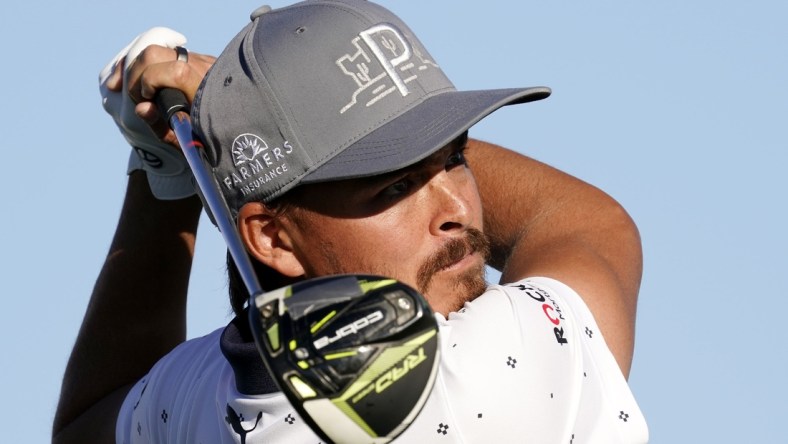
(341, 146)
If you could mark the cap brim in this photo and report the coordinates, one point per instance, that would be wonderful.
(419, 132)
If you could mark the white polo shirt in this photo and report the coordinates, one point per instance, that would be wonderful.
(522, 363)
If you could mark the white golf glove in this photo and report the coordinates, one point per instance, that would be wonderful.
(168, 172)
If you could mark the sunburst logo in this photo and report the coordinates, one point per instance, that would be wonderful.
(247, 147)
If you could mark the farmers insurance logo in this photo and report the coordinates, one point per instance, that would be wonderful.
(398, 64)
(256, 163)
(247, 147)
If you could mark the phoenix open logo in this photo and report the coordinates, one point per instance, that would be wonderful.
(247, 147)
(398, 63)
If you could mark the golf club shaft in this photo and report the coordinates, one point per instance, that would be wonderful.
(173, 103)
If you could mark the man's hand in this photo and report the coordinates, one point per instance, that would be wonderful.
(128, 84)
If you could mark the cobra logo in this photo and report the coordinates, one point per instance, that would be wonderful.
(349, 329)
(149, 158)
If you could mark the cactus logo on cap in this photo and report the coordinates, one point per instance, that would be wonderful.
(396, 68)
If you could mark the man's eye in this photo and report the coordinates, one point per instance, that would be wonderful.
(397, 189)
(455, 159)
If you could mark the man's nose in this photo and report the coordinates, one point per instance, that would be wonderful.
(452, 207)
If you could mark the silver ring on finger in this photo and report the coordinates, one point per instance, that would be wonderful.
(182, 54)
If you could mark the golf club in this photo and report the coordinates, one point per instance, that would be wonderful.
(356, 355)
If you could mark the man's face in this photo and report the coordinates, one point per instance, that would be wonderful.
(421, 225)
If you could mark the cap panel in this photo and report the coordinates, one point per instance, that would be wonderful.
(239, 119)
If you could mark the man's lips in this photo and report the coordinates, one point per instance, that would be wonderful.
(460, 253)
(463, 262)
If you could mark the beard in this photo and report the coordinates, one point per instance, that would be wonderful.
(466, 287)
(470, 284)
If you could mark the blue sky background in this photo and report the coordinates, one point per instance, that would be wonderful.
(677, 109)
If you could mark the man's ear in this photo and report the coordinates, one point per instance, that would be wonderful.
(266, 240)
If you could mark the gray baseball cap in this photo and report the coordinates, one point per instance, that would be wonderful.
(327, 90)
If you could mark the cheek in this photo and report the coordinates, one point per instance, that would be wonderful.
(384, 245)
(382, 240)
